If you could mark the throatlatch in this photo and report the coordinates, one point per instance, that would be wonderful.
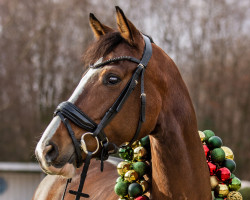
(68, 111)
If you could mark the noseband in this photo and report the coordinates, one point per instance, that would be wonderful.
(68, 111)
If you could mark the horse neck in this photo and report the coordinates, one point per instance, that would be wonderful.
(178, 161)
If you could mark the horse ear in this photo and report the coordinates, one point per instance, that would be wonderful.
(97, 27)
(127, 29)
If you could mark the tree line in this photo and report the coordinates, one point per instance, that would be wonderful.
(40, 62)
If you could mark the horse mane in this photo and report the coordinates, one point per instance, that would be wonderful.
(102, 47)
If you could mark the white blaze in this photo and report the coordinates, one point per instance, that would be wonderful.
(54, 124)
(79, 89)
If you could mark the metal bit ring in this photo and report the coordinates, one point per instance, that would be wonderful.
(84, 146)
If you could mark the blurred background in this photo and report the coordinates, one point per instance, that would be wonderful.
(42, 43)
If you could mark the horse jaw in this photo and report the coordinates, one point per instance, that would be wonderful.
(68, 170)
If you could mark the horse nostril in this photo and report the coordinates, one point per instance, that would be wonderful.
(51, 152)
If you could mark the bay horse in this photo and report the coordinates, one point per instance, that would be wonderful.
(179, 168)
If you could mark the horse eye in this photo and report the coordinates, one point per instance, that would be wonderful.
(112, 79)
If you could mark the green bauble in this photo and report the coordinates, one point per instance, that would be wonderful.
(232, 176)
(230, 164)
(145, 142)
(135, 190)
(235, 184)
(214, 142)
(217, 155)
(119, 179)
(141, 168)
(126, 153)
(121, 188)
(208, 134)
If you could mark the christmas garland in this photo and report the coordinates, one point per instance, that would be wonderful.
(221, 165)
(135, 171)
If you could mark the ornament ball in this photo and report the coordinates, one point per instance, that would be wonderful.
(134, 190)
(123, 167)
(233, 195)
(212, 168)
(208, 134)
(142, 198)
(223, 174)
(140, 153)
(214, 142)
(230, 164)
(202, 136)
(214, 182)
(131, 176)
(121, 188)
(235, 184)
(221, 190)
(217, 155)
(228, 152)
(206, 149)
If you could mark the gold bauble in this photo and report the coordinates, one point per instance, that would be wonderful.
(140, 153)
(202, 136)
(214, 182)
(234, 195)
(228, 152)
(123, 167)
(221, 190)
(136, 144)
(145, 185)
(131, 176)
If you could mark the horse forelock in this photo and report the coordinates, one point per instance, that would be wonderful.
(102, 47)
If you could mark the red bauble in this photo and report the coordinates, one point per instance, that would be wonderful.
(142, 198)
(212, 168)
(223, 174)
(206, 149)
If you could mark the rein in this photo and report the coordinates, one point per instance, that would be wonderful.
(68, 111)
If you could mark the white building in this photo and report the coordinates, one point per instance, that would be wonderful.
(18, 181)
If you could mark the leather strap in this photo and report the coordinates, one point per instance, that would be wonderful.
(79, 193)
(65, 189)
(112, 60)
(72, 112)
(74, 140)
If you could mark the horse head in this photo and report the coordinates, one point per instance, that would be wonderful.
(105, 80)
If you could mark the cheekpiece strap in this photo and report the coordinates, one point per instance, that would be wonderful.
(74, 140)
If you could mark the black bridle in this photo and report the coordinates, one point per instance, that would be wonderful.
(68, 111)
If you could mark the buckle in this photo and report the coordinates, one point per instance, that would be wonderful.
(84, 146)
(141, 65)
(143, 95)
(105, 142)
